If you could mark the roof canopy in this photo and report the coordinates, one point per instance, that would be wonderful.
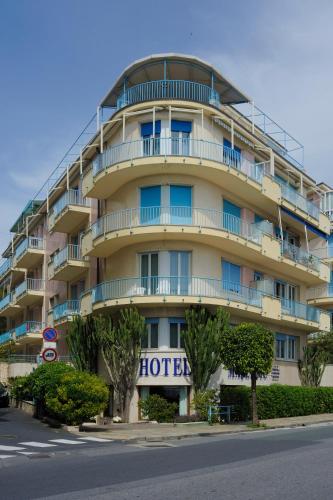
(174, 67)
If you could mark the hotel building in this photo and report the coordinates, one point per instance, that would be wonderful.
(184, 194)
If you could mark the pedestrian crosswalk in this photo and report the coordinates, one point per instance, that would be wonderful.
(25, 447)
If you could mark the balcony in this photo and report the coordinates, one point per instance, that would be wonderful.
(253, 242)
(6, 337)
(30, 252)
(321, 295)
(242, 301)
(69, 213)
(68, 264)
(8, 306)
(209, 160)
(183, 90)
(63, 313)
(29, 330)
(7, 267)
(300, 202)
(30, 292)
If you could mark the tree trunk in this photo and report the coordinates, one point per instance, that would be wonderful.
(255, 419)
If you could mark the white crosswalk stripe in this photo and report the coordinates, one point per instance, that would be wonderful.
(6, 456)
(10, 448)
(96, 439)
(66, 441)
(28, 453)
(37, 444)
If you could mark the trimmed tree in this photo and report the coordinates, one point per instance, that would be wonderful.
(121, 351)
(203, 339)
(248, 349)
(83, 343)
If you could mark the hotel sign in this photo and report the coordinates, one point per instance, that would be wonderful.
(164, 367)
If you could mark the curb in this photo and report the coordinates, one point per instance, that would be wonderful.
(206, 434)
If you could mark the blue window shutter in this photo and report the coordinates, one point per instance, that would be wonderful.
(180, 196)
(151, 196)
(227, 144)
(231, 208)
(177, 320)
(152, 321)
(231, 272)
(181, 126)
(147, 128)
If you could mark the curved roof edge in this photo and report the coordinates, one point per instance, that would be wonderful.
(189, 68)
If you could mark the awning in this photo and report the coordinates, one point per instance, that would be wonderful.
(309, 226)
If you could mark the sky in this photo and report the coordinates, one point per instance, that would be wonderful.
(59, 58)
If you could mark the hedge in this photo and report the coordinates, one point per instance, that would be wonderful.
(277, 401)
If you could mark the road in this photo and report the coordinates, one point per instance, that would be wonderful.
(261, 465)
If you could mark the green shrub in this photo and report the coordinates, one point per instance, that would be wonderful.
(46, 378)
(277, 401)
(202, 400)
(20, 388)
(155, 407)
(78, 397)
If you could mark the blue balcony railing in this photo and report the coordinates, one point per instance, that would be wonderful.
(299, 310)
(194, 148)
(300, 256)
(28, 327)
(294, 197)
(69, 252)
(30, 243)
(6, 337)
(68, 308)
(70, 197)
(185, 216)
(8, 299)
(175, 285)
(5, 266)
(169, 89)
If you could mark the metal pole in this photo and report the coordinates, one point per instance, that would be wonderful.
(102, 138)
(306, 238)
(252, 116)
(272, 166)
(280, 224)
(153, 122)
(81, 162)
(232, 135)
(98, 118)
(124, 118)
(170, 121)
(67, 177)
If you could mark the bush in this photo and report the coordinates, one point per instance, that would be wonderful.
(202, 400)
(155, 407)
(78, 397)
(46, 378)
(20, 388)
(277, 401)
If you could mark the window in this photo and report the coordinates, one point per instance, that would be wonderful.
(232, 155)
(257, 276)
(286, 347)
(150, 340)
(150, 205)
(176, 327)
(151, 142)
(180, 137)
(179, 273)
(149, 272)
(181, 204)
(231, 217)
(231, 276)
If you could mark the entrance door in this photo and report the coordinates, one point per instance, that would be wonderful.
(149, 272)
(181, 204)
(179, 273)
(150, 205)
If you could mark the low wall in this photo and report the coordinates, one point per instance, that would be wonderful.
(11, 370)
(327, 380)
(26, 406)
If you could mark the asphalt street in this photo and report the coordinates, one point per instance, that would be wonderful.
(269, 464)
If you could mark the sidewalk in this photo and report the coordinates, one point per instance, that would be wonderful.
(162, 432)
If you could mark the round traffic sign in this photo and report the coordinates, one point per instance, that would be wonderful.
(49, 354)
(50, 334)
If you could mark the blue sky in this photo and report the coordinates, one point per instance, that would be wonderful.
(59, 58)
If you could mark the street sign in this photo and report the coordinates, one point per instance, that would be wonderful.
(49, 354)
(50, 334)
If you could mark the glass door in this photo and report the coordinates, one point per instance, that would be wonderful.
(179, 273)
(149, 273)
(231, 277)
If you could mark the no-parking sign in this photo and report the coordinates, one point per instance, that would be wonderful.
(50, 334)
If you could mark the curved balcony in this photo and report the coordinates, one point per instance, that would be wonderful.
(254, 242)
(183, 90)
(64, 312)
(68, 264)
(321, 295)
(183, 291)
(209, 160)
